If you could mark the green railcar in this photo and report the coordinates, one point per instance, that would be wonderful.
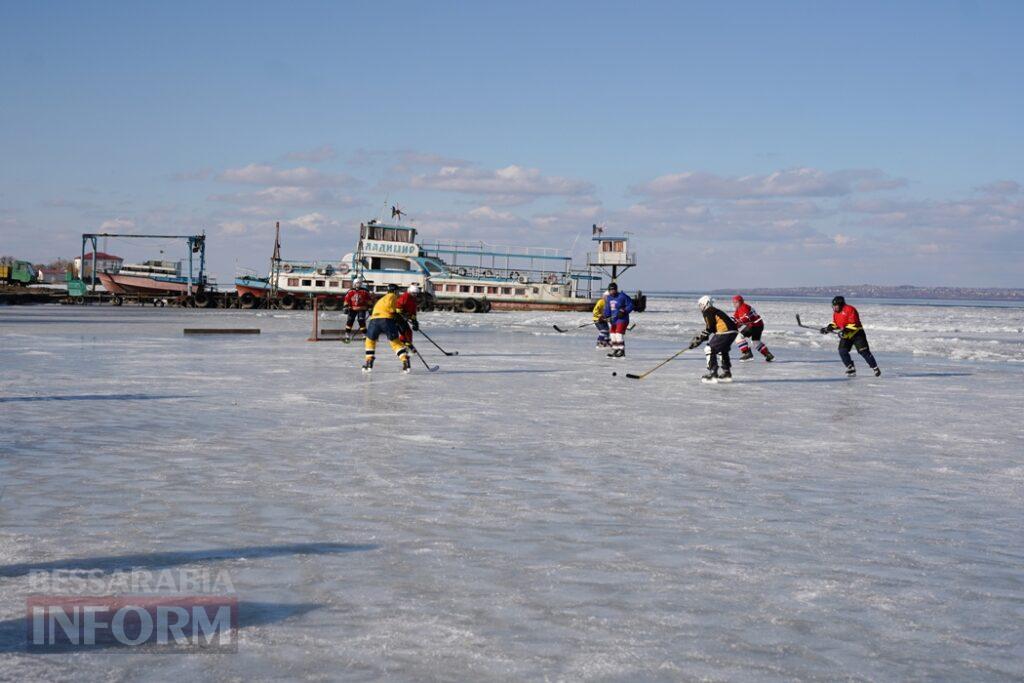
(18, 273)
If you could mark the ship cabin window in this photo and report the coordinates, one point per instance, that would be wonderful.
(536, 290)
(319, 283)
(347, 284)
(492, 290)
(464, 288)
(613, 246)
(293, 282)
(433, 266)
(307, 283)
(378, 232)
(332, 283)
(381, 288)
(520, 291)
(478, 290)
(506, 290)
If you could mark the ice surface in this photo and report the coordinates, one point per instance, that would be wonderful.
(522, 514)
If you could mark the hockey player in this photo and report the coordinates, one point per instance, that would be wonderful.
(357, 303)
(846, 321)
(407, 320)
(617, 307)
(719, 332)
(382, 321)
(750, 326)
(603, 334)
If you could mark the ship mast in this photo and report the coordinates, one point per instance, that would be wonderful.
(275, 261)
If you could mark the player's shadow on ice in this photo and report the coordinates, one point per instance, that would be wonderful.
(154, 561)
(795, 380)
(13, 632)
(88, 397)
(504, 355)
(779, 362)
(510, 371)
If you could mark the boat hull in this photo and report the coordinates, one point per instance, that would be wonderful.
(134, 284)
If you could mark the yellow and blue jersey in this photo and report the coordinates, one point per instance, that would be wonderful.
(386, 307)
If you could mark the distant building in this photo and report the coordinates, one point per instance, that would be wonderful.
(51, 276)
(104, 263)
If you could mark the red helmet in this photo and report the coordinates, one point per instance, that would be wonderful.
(737, 299)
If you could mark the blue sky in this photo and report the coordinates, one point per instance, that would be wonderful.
(741, 144)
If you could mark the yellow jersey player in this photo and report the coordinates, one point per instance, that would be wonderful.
(383, 321)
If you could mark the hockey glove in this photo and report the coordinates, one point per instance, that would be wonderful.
(414, 324)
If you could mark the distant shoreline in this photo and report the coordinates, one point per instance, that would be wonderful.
(889, 292)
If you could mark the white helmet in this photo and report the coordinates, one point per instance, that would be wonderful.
(605, 293)
(705, 302)
(414, 288)
(358, 282)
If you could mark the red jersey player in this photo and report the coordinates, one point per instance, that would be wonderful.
(751, 327)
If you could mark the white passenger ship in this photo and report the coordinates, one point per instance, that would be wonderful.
(464, 276)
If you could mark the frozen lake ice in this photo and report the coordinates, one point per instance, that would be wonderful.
(522, 514)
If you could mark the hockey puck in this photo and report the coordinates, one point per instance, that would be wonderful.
(615, 374)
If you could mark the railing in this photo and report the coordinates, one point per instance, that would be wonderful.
(503, 273)
(464, 248)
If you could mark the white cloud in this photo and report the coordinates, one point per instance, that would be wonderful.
(988, 217)
(117, 225)
(489, 215)
(232, 227)
(510, 182)
(314, 156)
(793, 182)
(313, 222)
(1001, 187)
(301, 176)
(288, 196)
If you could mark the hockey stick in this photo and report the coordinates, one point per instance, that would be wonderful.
(447, 353)
(580, 327)
(808, 327)
(800, 324)
(670, 358)
(430, 368)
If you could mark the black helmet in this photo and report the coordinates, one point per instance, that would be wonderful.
(612, 286)
(838, 301)
(392, 288)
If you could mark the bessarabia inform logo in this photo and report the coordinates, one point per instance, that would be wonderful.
(124, 611)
